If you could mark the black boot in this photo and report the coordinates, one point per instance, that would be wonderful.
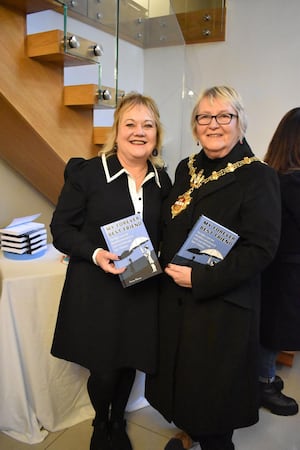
(119, 436)
(174, 444)
(278, 383)
(100, 438)
(275, 401)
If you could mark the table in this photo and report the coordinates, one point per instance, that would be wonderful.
(39, 393)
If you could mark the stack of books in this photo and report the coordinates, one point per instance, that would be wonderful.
(24, 238)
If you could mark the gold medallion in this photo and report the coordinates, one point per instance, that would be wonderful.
(181, 203)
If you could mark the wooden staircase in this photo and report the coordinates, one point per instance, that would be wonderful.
(38, 133)
(44, 123)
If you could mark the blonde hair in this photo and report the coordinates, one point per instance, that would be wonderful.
(229, 95)
(127, 102)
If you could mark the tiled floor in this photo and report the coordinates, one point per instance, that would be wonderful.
(149, 431)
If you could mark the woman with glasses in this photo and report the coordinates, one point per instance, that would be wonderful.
(209, 314)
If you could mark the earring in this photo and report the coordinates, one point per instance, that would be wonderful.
(115, 147)
(154, 152)
(198, 143)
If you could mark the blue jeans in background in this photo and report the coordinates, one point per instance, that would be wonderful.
(267, 368)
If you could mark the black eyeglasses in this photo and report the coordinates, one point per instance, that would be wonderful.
(221, 119)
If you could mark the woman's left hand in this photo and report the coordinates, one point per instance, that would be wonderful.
(182, 275)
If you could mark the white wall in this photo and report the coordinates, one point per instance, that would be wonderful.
(19, 199)
(260, 58)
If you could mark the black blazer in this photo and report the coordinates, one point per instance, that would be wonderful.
(100, 324)
(280, 315)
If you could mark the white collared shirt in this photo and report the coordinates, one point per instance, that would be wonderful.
(136, 195)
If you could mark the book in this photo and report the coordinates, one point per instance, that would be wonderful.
(207, 243)
(24, 237)
(129, 239)
(22, 225)
(37, 253)
(28, 248)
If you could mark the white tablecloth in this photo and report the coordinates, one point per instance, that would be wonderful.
(39, 393)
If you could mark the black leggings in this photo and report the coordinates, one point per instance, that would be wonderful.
(215, 441)
(109, 393)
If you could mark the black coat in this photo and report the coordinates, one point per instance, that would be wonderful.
(280, 316)
(100, 324)
(208, 368)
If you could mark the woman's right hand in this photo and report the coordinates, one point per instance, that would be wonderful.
(105, 260)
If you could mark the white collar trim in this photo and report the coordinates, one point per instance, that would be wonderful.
(110, 178)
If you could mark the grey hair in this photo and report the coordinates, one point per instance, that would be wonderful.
(229, 95)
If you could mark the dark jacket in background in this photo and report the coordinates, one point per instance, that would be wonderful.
(207, 377)
(280, 318)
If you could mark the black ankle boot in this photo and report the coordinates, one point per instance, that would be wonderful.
(100, 438)
(278, 383)
(275, 401)
(119, 436)
(174, 444)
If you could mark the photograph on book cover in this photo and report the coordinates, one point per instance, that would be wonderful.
(129, 239)
(207, 243)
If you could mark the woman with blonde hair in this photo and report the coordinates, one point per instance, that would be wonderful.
(110, 330)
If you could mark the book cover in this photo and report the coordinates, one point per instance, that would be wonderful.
(207, 243)
(129, 239)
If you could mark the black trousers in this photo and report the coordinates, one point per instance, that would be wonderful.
(215, 441)
(109, 393)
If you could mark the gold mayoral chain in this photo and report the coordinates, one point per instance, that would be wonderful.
(197, 180)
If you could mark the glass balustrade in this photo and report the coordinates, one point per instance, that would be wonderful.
(148, 24)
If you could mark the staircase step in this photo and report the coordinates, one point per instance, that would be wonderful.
(53, 46)
(100, 134)
(83, 95)
(32, 6)
(90, 96)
